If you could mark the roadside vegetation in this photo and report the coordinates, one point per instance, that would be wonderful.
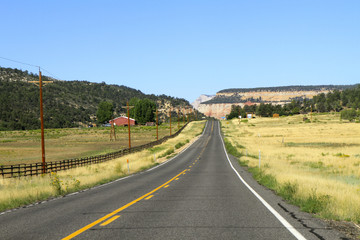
(313, 164)
(17, 192)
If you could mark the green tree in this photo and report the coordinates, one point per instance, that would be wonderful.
(144, 111)
(104, 112)
(349, 114)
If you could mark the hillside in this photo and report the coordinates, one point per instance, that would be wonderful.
(66, 103)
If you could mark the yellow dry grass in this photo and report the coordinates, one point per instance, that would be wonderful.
(17, 192)
(19, 147)
(322, 156)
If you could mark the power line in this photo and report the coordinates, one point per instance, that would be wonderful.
(52, 75)
(20, 62)
(32, 65)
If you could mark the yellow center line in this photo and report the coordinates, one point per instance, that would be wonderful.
(110, 220)
(167, 186)
(149, 197)
(119, 209)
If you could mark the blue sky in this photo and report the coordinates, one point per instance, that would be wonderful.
(186, 48)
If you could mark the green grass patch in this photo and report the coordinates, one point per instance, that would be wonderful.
(263, 178)
(179, 145)
(168, 152)
(342, 155)
(231, 149)
(314, 203)
(315, 165)
(156, 149)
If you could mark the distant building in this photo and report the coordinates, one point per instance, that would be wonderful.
(248, 103)
(122, 121)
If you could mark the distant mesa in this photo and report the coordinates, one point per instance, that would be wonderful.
(220, 105)
(202, 98)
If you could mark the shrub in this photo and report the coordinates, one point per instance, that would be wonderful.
(315, 203)
(349, 114)
(56, 183)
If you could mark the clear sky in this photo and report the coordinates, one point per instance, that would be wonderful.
(186, 48)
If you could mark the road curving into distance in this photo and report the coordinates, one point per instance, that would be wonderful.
(200, 194)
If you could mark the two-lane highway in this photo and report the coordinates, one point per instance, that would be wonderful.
(198, 195)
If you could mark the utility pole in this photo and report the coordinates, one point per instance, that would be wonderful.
(178, 118)
(42, 121)
(128, 116)
(184, 114)
(112, 132)
(170, 120)
(188, 111)
(157, 124)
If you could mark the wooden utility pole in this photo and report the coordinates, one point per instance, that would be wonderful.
(188, 111)
(170, 120)
(112, 132)
(184, 114)
(157, 125)
(178, 118)
(128, 116)
(42, 121)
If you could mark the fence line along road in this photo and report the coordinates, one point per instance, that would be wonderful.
(23, 170)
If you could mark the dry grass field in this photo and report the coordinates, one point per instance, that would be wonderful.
(24, 146)
(16, 192)
(314, 165)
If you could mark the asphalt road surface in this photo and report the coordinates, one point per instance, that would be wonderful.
(200, 194)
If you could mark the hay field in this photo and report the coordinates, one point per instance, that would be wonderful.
(24, 146)
(21, 191)
(317, 161)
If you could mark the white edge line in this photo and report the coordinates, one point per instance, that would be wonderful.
(288, 226)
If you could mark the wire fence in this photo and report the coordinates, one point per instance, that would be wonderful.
(34, 169)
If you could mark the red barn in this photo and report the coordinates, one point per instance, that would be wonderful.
(122, 121)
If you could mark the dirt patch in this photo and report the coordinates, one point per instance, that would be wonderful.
(351, 230)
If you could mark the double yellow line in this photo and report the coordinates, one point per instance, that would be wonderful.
(110, 217)
(120, 209)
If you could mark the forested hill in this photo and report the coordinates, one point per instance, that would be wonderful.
(66, 103)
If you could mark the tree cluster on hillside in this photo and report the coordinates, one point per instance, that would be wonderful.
(66, 103)
(334, 101)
